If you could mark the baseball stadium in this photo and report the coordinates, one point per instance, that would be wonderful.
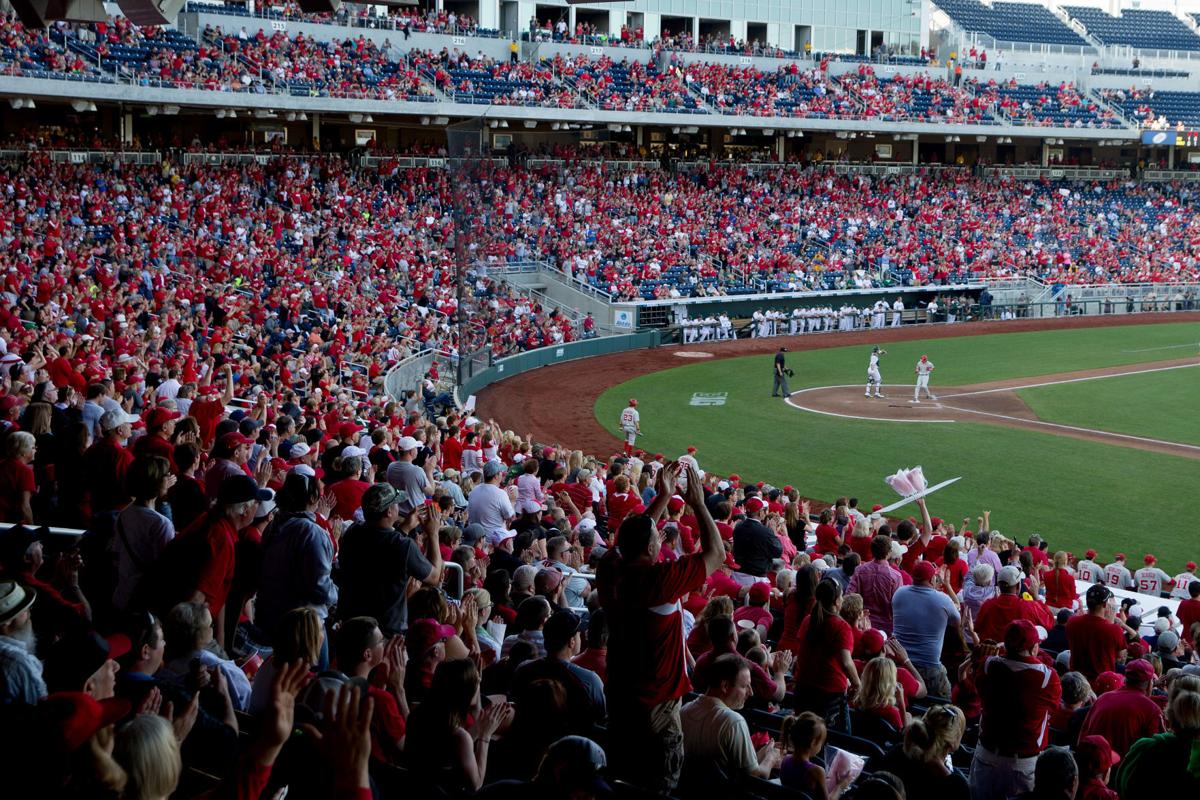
(755, 399)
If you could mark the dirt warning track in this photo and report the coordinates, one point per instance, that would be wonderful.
(995, 403)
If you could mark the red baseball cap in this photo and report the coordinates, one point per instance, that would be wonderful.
(924, 571)
(675, 503)
(76, 717)
(876, 507)
(1095, 756)
(1138, 671)
(1107, 682)
(935, 521)
(658, 456)
(1119, 557)
(1021, 635)
(1149, 558)
(1090, 554)
(754, 504)
(425, 633)
(759, 593)
(787, 489)
(234, 439)
(1191, 566)
(160, 416)
(760, 484)
(734, 478)
(348, 429)
(871, 642)
(691, 448)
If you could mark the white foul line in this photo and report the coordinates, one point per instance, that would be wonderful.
(1075, 428)
(1073, 380)
(1164, 347)
(794, 404)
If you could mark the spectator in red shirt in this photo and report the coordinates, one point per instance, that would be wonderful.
(1189, 611)
(1096, 759)
(107, 462)
(826, 668)
(17, 484)
(756, 610)
(828, 538)
(766, 686)
(160, 425)
(1018, 694)
(646, 671)
(1127, 714)
(1096, 641)
(622, 500)
(996, 614)
(595, 657)
(1060, 583)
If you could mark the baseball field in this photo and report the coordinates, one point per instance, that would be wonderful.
(1083, 429)
(1089, 436)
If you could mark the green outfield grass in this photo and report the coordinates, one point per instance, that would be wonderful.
(1158, 405)
(1075, 492)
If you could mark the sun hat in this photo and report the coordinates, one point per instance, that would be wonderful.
(14, 599)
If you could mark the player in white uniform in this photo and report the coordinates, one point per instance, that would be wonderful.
(725, 330)
(897, 311)
(873, 376)
(880, 313)
(1183, 580)
(631, 425)
(1150, 579)
(1117, 575)
(1088, 570)
(924, 369)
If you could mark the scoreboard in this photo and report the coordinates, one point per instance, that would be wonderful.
(1168, 138)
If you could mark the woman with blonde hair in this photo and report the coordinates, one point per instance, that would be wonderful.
(1059, 582)
(922, 761)
(17, 482)
(298, 637)
(879, 693)
(146, 748)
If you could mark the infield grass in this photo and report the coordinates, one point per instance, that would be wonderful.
(1077, 493)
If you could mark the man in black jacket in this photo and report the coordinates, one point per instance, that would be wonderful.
(754, 545)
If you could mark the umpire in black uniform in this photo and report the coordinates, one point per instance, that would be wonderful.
(781, 375)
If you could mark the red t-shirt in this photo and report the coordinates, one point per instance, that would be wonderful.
(935, 548)
(15, 477)
(1189, 612)
(1122, 717)
(207, 414)
(723, 585)
(958, 574)
(1018, 696)
(452, 454)
(860, 545)
(645, 643)
(827, 540)
(726, 531)
(794, 615)
(820, 663)
(217, 575)
(756, 614)
(619, 507)
(996, 614)
(1095, 644)
(349, 493)
(1060, 588)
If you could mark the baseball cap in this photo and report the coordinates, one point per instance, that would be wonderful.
(675, 503)
(380, 497)
(111, 420)
(1139, 671)
(923, 571)
(14, 599)
(559, 629)
(586, 524)
(1191, 566)
(872, 641)
(265, 507)
(160, 416)
(1168, 641)
(754, 504)
(1149, 558)
(1136, 649)
(348, 429)
(352, 451)
(1097, 594)
(241, 489)
(1107, 682)
(500, 535)
(491, 469)
(759, 593)
(407, 443)
(75, 717)
(234, 439)
(299, 450)
(473, 534)
(1095, 755)
(1009, 576)
(1119, 557)
(424, 634)
(1161, 625)
(305, 470)
(74, 658)
(935, 521)
(1021, 635)
(1090, 554)
(547, 580)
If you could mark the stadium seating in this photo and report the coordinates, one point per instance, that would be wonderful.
(1061, 105)
(1011, 22)
(1141, 28)
(921, 98)
(1154, 108)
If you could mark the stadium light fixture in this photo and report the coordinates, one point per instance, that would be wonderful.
(441, 120)
(494, 123)
(220, 113)
(615, 127)
(22, 102)
(768, 131)
(152, 111)
(692, 129)
(291, 116)
(554, 127)
(626, 129)
(356, 118)
(949, 137)
(170, 111)
(232, 114)
(368, 118)
(981, 138)
(302, 117)
(675, 129)
(531, 123)
(424, 120)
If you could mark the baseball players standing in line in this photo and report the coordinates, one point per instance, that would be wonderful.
(1117, 574)
(1088, 570)
(631, 425)
(873, 376)
(923, 370)
(1150, 579)
(1183, 582)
